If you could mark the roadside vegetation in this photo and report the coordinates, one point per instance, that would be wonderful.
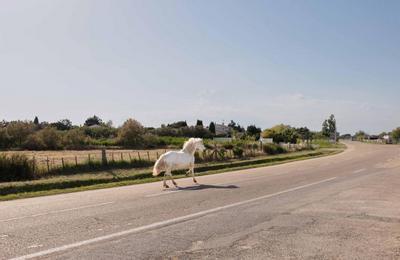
(111, 178)
(392, 137)
(34, 150)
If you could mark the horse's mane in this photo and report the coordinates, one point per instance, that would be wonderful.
(190, 145)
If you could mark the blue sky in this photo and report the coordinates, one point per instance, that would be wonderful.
(262, 62)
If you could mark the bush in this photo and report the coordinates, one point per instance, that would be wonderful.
(75, 139)
(18, 132)
(238, 151)
(228, 146)
(100, 132)
(152, 141)
(16, 168)
(46, 139)
(5, 139)
(51, 138)
(172, 141)
(131, 134)
(272, 149)
(34, 142)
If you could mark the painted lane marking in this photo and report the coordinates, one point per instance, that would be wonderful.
(163, 223)
(56, 211)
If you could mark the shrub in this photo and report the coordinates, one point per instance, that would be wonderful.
(75, 139)
(228, 146)
(19, 131)
(272, 149)
(100, 132)
(172, 141)
(16, 168)
(34, 142)
(51, 138)
(5, 141)
(152, 141)
(131, 134)
(237, 152)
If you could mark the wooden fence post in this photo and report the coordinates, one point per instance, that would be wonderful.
(122, 156)
(139, 156)
(103, 156)
(48, 165)
(62, 162)
(148, 155)
(33, 164)
(130, 157)
(89, 158)
(157, 155)
(76, 161)
(112, 156)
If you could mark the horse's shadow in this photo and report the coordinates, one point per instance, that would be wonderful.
(207, 186)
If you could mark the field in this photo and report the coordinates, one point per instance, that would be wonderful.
(56, 159)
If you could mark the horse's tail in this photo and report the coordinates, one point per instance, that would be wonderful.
(159, 166)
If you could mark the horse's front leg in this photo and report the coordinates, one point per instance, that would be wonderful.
(165, 181)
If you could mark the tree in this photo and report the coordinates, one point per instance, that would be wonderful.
(236, 127)
(74, 139)
(94, 120)
(211, 127)
(281, 133)
(63, 125)
(253, 130)
(51, 138)
(199, 123)
(178, 124)
(329, 128)
(396, 135)
(5, 141)
(304, 133)
(131, 133)
(18, 131)
(360, 135)
(36, 120)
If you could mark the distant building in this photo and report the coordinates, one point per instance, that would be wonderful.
(222, 130)
(387, 139)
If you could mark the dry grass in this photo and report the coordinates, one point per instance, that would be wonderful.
(72, 157)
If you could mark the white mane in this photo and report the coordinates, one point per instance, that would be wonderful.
(190, 145)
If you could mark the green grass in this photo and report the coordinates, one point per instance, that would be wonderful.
(114, 178)
(321, 143)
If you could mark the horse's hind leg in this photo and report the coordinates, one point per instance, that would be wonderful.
(172, 179)
(194, 179)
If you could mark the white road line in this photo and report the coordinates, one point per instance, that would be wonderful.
(56, 211)
(360, 170)
(162, 223)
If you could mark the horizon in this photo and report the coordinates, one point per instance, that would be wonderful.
(262, 63)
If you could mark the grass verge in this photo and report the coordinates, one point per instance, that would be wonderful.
(114, 178)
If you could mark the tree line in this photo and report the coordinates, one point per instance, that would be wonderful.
(63, 134)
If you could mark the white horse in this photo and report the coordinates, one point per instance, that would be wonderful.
(183, 159)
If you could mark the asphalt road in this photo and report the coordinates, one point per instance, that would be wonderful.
(345, 206)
